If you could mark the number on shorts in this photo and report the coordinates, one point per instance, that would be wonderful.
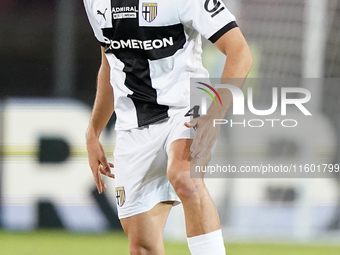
(193, 112)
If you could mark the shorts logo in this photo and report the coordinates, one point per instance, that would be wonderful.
(120, 196)
(214, 7)
(149, 11)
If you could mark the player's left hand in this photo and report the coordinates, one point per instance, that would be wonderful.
(205, 137)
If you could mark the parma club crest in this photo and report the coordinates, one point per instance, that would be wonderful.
(149, 11)
(120, 196)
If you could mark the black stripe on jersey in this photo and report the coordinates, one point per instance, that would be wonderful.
(130, 43)
(222, 31)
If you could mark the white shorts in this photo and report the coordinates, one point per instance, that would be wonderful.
(140, 160)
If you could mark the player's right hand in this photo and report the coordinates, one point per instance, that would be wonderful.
(98, 163)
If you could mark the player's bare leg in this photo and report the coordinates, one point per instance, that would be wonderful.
(200, 212)
(145, 230)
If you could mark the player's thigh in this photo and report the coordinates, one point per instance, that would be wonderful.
(180, 162)
(146, 229)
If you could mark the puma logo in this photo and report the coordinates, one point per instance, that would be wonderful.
(101, 13)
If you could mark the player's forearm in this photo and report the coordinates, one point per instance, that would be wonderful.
(103, 106)
(237, 67)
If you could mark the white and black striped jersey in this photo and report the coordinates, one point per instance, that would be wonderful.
(154, 48)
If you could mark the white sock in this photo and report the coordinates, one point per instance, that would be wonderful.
(207, 244)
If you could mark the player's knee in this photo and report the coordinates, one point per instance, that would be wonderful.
(135, 250)
(137, 247)
(186, 188)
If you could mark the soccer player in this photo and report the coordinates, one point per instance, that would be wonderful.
(150, 50)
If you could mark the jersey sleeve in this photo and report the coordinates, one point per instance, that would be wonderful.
(93, 22)
(208, 17)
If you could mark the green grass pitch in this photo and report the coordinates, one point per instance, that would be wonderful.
(64, 243)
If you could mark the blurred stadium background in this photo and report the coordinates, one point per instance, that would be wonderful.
(48, 66)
